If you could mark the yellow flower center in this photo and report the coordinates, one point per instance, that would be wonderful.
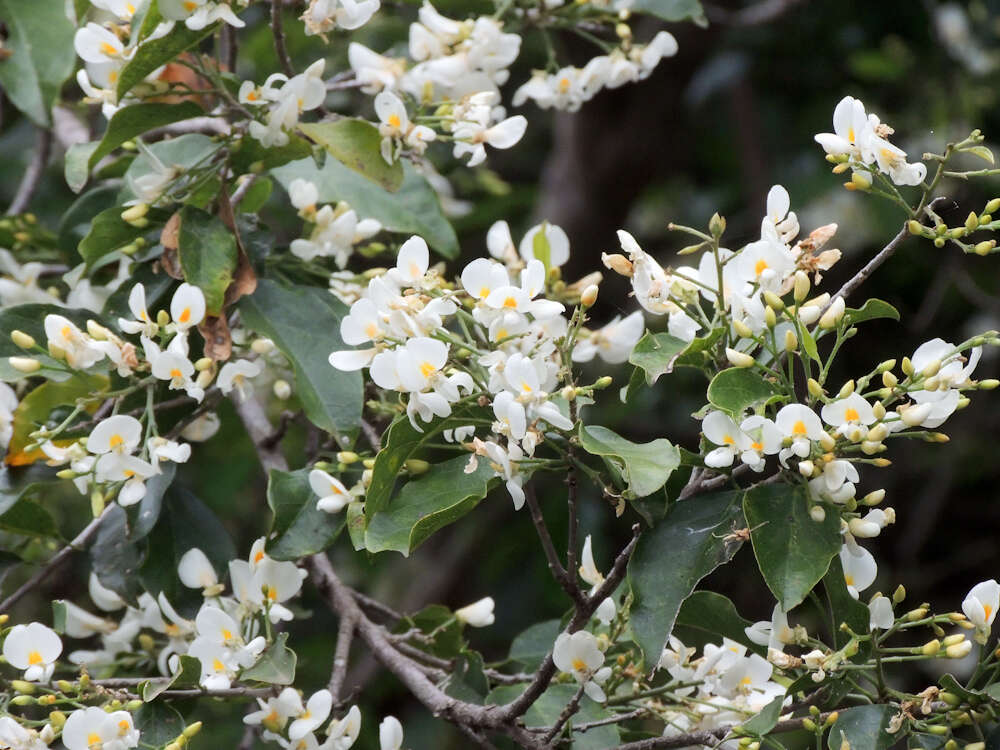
(335, 490)
(371, 330)
(728, 440)
(218, 666)
(427, 369)
(563, 85)
(848, 579)
(850, 135)
(116, 441)
(190, 5)
(259, 556)
(799, 428)
(851, 415)
(579, 665)
(760, 266)
(93, 739)
(66, 331)
(123, 726)
(510, 302)
(757, 446)
(227, 635)
(36, 658)
(988, 610)
(185, 315)
(108, 49)
(394, 120)
(175, 373)
(484, 291)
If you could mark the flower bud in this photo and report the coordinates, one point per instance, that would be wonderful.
(22, 700)
(204, 363)
(717, 225)
(774, 301)
(873, 498)
(692, 249)
(617, 263)
(800, 290)
(817, 513)
(204, 379)
(972, 221)
(134, 213)
(806, 468)
(859, 181)
(162, 318)
(871, 447)
(26, 365)
(809, 725)
(881, 462)
(833, 315)
(931, 647)
(192, 729)
(914, 226)
(23, 687)
(959, 650)
(987, 385)
(282, 389)
(742, 329)
(878, 433)
(770, 319)
(739, 359)
(931, 369)
(889, 380)
(846, 390)
(791, 341)
(589, 296)
(985, 247)
(416, 466)
(96, 503)
(951, 640)
(146, 642)
(22, 339)
(602, 382)
(814, 388)
(915, 414)
(57, 719)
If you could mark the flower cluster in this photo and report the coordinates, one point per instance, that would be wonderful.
(335, 229)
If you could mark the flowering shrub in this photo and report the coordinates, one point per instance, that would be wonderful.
(429, 388)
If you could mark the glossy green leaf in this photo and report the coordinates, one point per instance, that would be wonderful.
(466, 679)
(304, 323)
(183, 152)
(705, 616)
(256, 196)
(20, 481)
(158, 723)
(792, 550)
(448, 641)
(689, 543)
(863, 727)
(188, 675)
(546, 710)
(413, 209)
(30, 318)
(109, 233)
(275, 666)
(809, 345)
(738, 388)
(873, 309)
(39, 41)
(399, 443)
(764, 720)
(656, 354)
(299, 528)
(156, 52)
(645, 467)
(251, 155)
(530, 647)
(129, 122)
(185, 522)
(357, 145)
(114, 558)
(28, 518)
(208, 255)
(673, 10)
(426, 504)
(357, 523)
(144, 514)
(76, 168)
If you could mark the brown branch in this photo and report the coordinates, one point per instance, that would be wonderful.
(33, 174)
(279, 39)
(571, 708)
(78, 542)
(341, 655)
(565, 580)
(712, 736)
(573, 521)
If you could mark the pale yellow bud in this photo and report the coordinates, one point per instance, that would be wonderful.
(739, 359)
(282, 389)
(774, 301)
(262, 346)
(846, 390)
(959, 650)
(814, 388)
(162, 318)
(791, 341)
(416, 466)
(204, 379)
(914, 226)
(806, 468)
(881, 462)
(26, 365)
(22, 339)
(931, 647)
(97, 331)
(770, 319)
(134, 213)
(742, 329)
(987, 385)
(889, 380)
(801, 288)
(874, 497)
(23, 686)
(57, 719)
(817, 513)
(368, 463)
(931, 369)
(951, 640)
(878, 410)
(589, 296)
(833, 315)
(602, 382)
(871, 447)
(192, 729)
(827, 442)
(907, 366)
(205, 363)
(878, 433)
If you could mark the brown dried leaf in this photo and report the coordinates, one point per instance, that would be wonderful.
(218, 340)
(169, 260)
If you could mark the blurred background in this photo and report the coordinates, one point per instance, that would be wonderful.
(732, 114)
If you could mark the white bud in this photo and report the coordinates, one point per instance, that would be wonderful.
(262, 346)
(739, 359)
(282, 389)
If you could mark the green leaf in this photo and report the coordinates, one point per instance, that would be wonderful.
(275, 666)
(188, 675)
(426, 504)
(114, 557)
(673, 10)
(59, 616)
(846, 609)
(109, 232)
(873, 309)
(157, 52)
(34, 409)
(466, 679)
(546, 710)
(413, 209)
(30, 318)
(863, 727)
(809, 345)
(448, 640)
(705, 616)
(357, 523)
(357, 145)
(645, 467)
(40, 43)
(656, 354)
(256, 196)
(183, 152)
(185, 522)
(158, 723)
(763, 721)
(299, 528)
(792, 550)
(399, 443)
(76, 169)
(28, 518)
(207, 251)
(738, 388)
(75, 222)
(129, 122)
(304, 323)
(144, 514)
(530, 647)
(689, 543)
(250, 155)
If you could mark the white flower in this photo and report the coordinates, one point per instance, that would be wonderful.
(333, 495)
(579, 655)
(79, 349)
(8, 403)
(802, 425)
(142, 323)
(104, 598)
(606, 610)
(478, 614)
(981, 604)
(317, 709)
(197, 14)
(614, 342)
(233, 375)
(16, 737)
(880, 614)
(275, 712)
(720, 429)
(471, 137)
(342, 733)
(859, 566)
(372, 70)
(552, 235)
(390, 734)
(849, 415)
(119, 434)
(95, 44)
(195, 570)
(33, 648)
(775, 634)
(92, 727)
(396, 129)
(187, 306)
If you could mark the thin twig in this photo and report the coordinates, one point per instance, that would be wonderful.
(559, 573)
(371, 435)
(573, 522)
(616, 719)
(341, 655)
(712, 736)
(279, 39)
(78, 541)
(571, 708)
(33, 174)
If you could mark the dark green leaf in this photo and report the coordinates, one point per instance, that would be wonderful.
(256, 196)
(30, 519)
(8, 561)
(299, 527)
(275, 666)
(792, 550)
(546, 710)
(673, 10)
(705, 616)
(182, 152)
(39, 42)
(157, 52)
(413, 209)
(738, 388)
(304, 323)
(75, 222)
(466, 680)
(426, 504)
(873, 309)
(188, 675)
(764, 721)
(530, 647)
(185, 522)
(689, 543)
(144, 514)
(357, 524)
(846, 609)
(16, 482)
(158, 723)
(250, 155)
(207, 251)
(448, 639)
(356, 144)
(656, 354)
(114, 557)
(864, 728)
(128, 122)
(76, 169)
(645, 467)
(109, 233)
